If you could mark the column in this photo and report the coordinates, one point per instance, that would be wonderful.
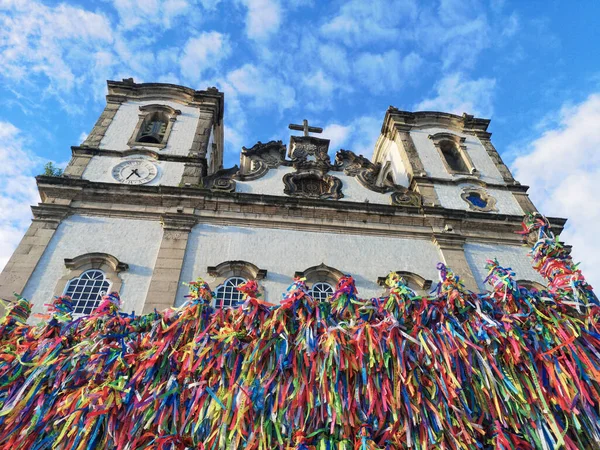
(166, 276)
(27, 255)
(453, 253)
(414, 165)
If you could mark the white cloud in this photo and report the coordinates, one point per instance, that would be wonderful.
(359, 22)
(133, 13)
(456, 94)
(359, 135)
(203, 52)
(263, 18)
(51, 42)
(262, 87)
(562, 166)
(389, 70)
(17, 188)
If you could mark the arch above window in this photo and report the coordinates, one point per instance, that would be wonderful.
(414, 281)
(532, 285)
(154, 126)
(237, 269)
(91, 273)
(453, 152)
(321, 273)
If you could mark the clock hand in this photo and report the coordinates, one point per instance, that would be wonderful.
(133, 171)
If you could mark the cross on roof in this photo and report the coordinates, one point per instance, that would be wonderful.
(304, 127)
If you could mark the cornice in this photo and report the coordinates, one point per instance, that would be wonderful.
(127, 89)
(398, 120)
(466, 179)
(153, 202)
(92, 151)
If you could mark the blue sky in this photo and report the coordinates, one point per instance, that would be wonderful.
(532, 67)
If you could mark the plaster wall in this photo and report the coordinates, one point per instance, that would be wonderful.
(272, 184)
(100, 169)
(450, 197)
(515, 257)
(283, 252)
(135, 242)
(122, 126)
(432, 160)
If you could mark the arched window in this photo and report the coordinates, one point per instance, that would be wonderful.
(153, 129)
(154, 126)
(321, 291)
(452, 156)
(453, 150)
(416, 282)
(87, 290)
(227, 296)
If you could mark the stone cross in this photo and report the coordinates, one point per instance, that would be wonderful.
(304, 127)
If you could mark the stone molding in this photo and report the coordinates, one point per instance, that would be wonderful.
(417, 279)
(449, 241)
(247, 209)
(127, 89)
(50, 212)
(108, 264)
(229, 269)
(178, 222)
(322, 273)
(95, 137)
(90, 152)
(95, 261)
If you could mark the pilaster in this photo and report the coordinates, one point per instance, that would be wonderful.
(167, 269)
(524, 202)
(484, 138)
(77, 165)
(113, 102)
(452, 249)
(410, 156)
(18, 270)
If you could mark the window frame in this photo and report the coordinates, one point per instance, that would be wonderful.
(316, 283)
(236, 268)
(96, 302)
(233, 291)
(106, 263)
(147, 111)
(459, 145)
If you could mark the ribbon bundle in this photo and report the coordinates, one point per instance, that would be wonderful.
(508, 369)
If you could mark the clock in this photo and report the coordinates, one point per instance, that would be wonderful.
(135, 171)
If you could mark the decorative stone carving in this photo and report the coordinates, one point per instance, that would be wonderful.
(310, 153)
(406, 198)
(256, 161)
(222, 180)
(367, 174)
(312, 184)
(364, 170)
(478, 199)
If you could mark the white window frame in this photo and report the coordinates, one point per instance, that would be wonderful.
(88, 303)
(229, 292)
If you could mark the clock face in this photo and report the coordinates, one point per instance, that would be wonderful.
(135, 171)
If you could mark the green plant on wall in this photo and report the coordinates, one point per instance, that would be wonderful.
(50, 170)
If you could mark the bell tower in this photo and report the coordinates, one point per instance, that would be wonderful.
(153, 134)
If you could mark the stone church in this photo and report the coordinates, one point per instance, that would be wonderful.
(145, 205)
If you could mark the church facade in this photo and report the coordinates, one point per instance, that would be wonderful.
(146, 205)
